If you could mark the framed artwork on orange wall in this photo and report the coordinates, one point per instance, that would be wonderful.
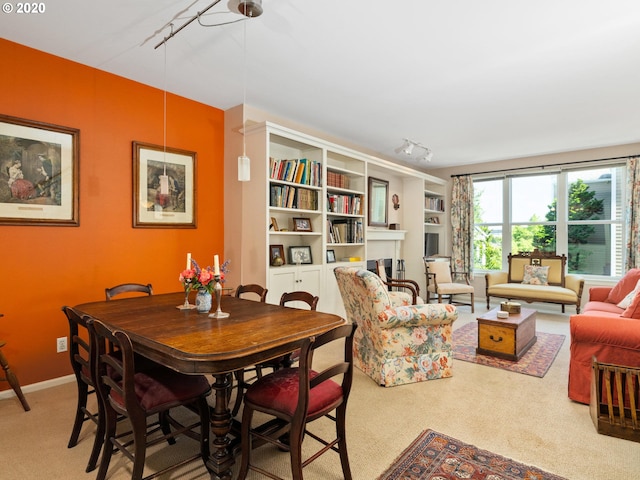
(164, 194)
(38, 173)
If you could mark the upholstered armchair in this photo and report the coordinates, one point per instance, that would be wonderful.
(394, 343)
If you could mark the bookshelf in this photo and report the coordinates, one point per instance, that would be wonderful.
(309, 196)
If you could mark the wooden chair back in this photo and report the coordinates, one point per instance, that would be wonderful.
(128, 288)
(299, 296)
(253, 288)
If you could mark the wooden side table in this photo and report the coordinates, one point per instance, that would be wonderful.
(508, 338)
(11, 377)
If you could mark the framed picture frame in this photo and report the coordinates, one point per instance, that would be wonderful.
(378, 202)
(164, 193)
(300, 255)
(302, 224)
(39, 173)
(274, 224)
(275, 252)
(331, 256)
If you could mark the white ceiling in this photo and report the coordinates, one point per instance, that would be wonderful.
(474, 80)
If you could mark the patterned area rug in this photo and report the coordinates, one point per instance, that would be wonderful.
(434, 456)
(535, 362)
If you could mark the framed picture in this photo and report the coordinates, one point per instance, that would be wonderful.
(276, 255)
(39, 165)
(302, 225)
(274, 224)
(163, 187)
(331, 256)
(378, 202)
(300, 255)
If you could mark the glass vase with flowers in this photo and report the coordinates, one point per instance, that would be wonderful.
(203, 281)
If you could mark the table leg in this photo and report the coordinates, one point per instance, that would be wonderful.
(221, 460)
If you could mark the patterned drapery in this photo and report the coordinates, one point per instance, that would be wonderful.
(632, 217)
(462, 224)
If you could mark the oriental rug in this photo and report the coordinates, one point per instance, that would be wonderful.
(434, 456)
(535, 362)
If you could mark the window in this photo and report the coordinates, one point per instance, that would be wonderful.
(576, 212)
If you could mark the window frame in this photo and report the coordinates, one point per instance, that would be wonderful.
(562, 222)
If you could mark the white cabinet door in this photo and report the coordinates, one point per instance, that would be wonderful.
(291, 279)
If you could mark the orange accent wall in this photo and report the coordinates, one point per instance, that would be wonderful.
(44, 268)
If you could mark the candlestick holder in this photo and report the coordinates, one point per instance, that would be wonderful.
(186, 305)
(218, 292)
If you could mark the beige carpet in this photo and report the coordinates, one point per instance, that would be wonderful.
(525, 418)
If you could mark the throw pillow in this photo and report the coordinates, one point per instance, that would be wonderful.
(626, 301)
(535, 275)
(633, 310)
(624, 286)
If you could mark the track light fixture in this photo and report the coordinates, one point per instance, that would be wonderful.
(408, 146)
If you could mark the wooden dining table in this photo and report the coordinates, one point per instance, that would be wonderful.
(195, 343)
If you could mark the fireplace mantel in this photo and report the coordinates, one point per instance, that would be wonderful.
(374, 234)
(385, 244)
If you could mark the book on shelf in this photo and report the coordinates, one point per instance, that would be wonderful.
(300, 170)
(434, 203)
(345, 230)
(340, 203)
(337, 180)
(287, 196)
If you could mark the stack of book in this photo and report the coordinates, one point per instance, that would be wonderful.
(349, 204)
(299, 170)
(345, 230)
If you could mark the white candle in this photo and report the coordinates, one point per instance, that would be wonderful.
(216, 265)
(188, 261)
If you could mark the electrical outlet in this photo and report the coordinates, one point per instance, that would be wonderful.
(61, 344)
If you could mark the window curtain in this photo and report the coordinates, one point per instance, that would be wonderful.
(632, 217)
(462, 224)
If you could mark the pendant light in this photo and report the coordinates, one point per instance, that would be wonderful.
(164, 179)
(244, 163)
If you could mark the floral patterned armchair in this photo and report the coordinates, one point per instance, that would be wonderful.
(395, 344)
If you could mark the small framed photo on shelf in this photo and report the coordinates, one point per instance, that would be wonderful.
(276, 255)
(302, 225)
(274, 224)
(300, 255)
(331, 256)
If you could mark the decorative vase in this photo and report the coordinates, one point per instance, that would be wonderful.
(203, 301)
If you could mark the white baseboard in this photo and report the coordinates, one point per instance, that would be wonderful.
(54, 382)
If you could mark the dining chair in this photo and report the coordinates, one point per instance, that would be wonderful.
(80, 353)
(299, 296)
(252, 288)
(441, 281)
(128, 288)
(136, 395)
(10, 377)
(410, 285)
(295, 397)
(294, 299)
(243, 291)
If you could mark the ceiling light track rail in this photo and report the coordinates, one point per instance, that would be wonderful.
(187, 23)
(248, 8)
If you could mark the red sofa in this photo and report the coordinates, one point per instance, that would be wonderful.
(605, 331)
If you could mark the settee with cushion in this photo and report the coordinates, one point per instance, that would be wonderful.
(395, 343)
(608, 329)
(536, 277)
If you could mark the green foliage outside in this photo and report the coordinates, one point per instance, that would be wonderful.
(582, 206)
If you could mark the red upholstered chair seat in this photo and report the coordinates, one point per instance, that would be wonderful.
(159, 388)
(279, 391)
